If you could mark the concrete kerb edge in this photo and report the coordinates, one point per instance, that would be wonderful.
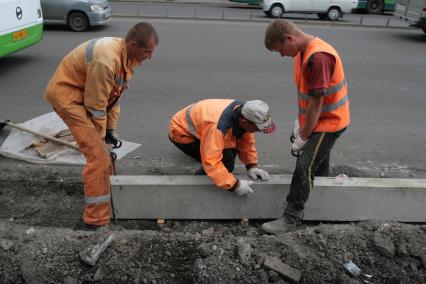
(370, 198)
(300, 22)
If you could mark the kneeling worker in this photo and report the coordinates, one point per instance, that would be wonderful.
(214, 131)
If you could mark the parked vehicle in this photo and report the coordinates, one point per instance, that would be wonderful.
(376, 6)
(21, 25)
(325, 9)
(413, 12)
(77, 14)
(251, 2)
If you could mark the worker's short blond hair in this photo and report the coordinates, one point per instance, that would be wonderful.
(277, 30)
(142, 33)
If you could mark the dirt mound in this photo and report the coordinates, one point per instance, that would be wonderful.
(39, 243)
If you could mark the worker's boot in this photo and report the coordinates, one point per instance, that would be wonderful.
(287, 223)
(200, 172)
(90, 227)
(93, 227)
(279, 226)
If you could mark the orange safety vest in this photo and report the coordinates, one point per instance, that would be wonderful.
(335, 110)
(215, 124)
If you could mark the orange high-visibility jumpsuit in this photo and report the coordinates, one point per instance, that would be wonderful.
(215, 123)
(85, 91)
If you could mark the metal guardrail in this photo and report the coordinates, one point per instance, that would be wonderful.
(257, 16)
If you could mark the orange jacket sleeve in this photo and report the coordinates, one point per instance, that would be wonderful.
(99, 83)
(246, 149)
(211, 148)
(112, 115)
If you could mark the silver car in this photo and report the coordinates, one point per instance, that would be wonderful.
(77, 14)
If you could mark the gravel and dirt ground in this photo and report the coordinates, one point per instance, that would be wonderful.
(40, 242)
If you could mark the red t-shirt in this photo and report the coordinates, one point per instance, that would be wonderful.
(318, 72)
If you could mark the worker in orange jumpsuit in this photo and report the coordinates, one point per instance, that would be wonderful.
(323, 112)
(215, 131)
(85, 91)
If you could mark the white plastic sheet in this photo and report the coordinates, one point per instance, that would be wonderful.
(15, 144)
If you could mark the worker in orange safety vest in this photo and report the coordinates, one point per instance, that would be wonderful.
(85, 91)
(215, 131)
(323, 112)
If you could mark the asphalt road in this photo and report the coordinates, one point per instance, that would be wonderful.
(215, 59)
(236, 11)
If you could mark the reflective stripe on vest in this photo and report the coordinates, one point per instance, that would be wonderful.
(89, 50)
(97, 113)
(120, 81)
(97, 199)
(328, 91)
(191, 127)
(329, 107)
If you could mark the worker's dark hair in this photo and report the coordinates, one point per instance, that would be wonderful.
(142, 33)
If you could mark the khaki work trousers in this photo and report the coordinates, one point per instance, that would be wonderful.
(96, 173)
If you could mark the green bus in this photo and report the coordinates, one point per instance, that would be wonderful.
(376, 6)
(21, 25)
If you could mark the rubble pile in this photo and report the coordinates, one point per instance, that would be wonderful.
(40, 242)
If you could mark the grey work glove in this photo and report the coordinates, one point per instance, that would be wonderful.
(255, 172)
(244, 188)
(111, 137)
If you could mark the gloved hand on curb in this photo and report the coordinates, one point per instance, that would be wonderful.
(298, 143)
(244, 188)
(255, 172)
(111, 137)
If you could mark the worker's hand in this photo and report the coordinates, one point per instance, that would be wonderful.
(109, 147)
(244, 188)
(298, 143)
(296, 129)
(111, 137)
(255, 172)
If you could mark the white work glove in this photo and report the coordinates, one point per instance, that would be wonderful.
(296, 129)
(255, 172)
(298, 143)
(244, 188)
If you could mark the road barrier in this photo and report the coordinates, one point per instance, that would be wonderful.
(256, 15)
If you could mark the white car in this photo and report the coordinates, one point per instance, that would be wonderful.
(325, 9)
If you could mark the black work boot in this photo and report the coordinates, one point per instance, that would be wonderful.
(200, 172)
(93, 227)
(287, 223)
(88, 227)
(81, 226)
